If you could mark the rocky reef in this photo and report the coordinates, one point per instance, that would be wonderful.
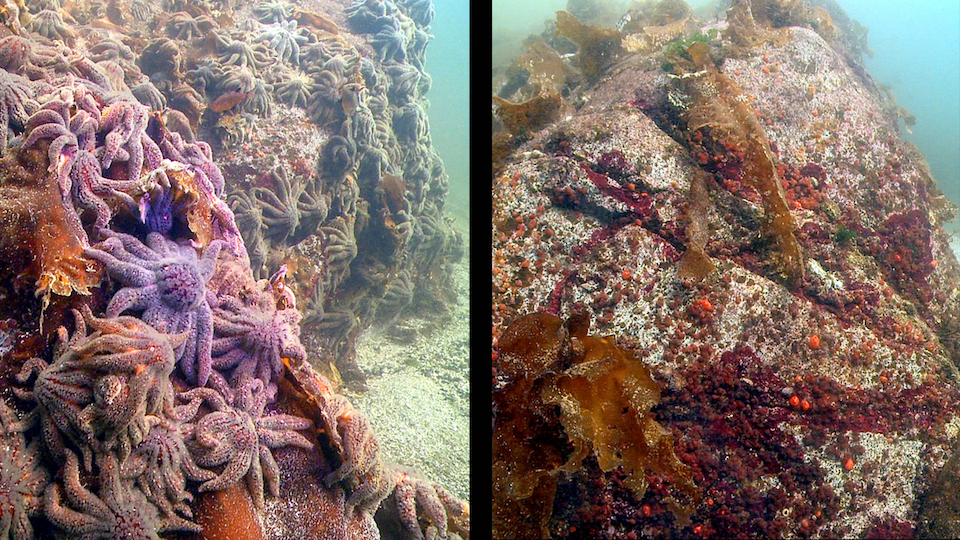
(730, 204)
(201, 205)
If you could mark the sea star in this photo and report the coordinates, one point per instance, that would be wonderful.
(101, 387)
(22, 478)
(285, 39)
(16, 105)
(240, 439)
(280, 213)
(254, 334)
(166, 281)
(116, 512)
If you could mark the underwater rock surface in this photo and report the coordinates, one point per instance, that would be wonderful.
(812, 389)
(201, 207)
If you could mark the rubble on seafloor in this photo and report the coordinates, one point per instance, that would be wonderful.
(803, 327)
(202, 206)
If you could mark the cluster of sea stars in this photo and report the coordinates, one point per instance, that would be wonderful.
(173, 390)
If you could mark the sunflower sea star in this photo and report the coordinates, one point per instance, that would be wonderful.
(117, 512)
(240, 439)
(22, 479)
(166, 282)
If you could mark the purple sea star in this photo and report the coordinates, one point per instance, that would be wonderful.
(16, 104)
(166, 281)
(240, 439)
(125, 124)
(253, 336)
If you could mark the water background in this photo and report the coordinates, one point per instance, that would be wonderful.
(448, 62)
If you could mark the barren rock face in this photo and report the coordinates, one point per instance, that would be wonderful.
(820, 402)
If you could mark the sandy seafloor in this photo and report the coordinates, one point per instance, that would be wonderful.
(418, 396)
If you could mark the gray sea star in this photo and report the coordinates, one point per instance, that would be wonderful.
(260, 100)
(421, 11)
(141, 10)
(236, 52)
(391, 42)
(285, 39)
(184, 26)
(101, 387)
(280, 213)
(437, 505)
(369, 16)
(125, 124)
(206, 74)
(404, 80)
(16, 105)
(273, 11)
(148, 94)
(249, 217)
(166, 281)
(49, 24)
(295, 89)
